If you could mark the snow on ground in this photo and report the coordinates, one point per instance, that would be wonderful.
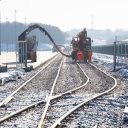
(9, 59)
(42, 56)
(107, 61)
(11, 75)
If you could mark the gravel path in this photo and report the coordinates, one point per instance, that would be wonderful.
(36, 90)
(106, 111)
(9, 87)
(70, 77)
(99, 82)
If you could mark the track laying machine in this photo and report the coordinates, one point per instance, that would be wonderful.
(81, 47)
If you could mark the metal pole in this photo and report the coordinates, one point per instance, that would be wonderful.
(22, 52)
(25, 55)
(125, 53)
(6, 36)
(25, 49)
(25, 21)
(121, 54)
(92, 22)
(0, 31)
(114, 55)
(15, 41)
(118, 51)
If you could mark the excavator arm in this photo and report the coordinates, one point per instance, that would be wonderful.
(23, 35)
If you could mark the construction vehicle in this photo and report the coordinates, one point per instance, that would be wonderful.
(81, 47)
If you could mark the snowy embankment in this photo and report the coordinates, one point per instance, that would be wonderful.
(11, 76)
(10, 60)
(107, 62)
(101, 59)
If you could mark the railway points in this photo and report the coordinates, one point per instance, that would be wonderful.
(63, 92)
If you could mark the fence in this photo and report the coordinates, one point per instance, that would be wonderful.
(118, 49)
(121, 54)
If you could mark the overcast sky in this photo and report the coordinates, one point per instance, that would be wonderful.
(68, 14)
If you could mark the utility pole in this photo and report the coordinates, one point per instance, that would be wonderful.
(92, 22)
(15, 40)
(114, 55)
(25, 21)
(0, 31)
(92, 27)
(6, 35)
(15, 24)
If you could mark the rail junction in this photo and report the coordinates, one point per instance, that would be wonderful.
(55, 95)
(67, 91)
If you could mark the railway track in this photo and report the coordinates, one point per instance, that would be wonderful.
(10, 114)
(33, 90)
(63, 99)
(66, 120)
(7, 91)
(26, 85)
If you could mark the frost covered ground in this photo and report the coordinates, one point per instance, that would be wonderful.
(9, 59)
(107, 61)
(108, 110)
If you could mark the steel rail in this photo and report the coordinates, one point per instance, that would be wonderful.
(20, 111)
(10, 97)
(41, 122)
(52, 98)
(75, 89)
(58, 122)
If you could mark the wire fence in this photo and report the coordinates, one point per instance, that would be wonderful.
(119, 51)
(122, 54)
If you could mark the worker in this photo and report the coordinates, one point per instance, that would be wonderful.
(85, 32)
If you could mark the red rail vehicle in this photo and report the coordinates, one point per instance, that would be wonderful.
(81, 47)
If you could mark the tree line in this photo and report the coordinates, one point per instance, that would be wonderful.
(105, 34)
(11, 31)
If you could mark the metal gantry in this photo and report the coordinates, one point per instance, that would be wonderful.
(21, 54)
(122, 53)
(119, 51)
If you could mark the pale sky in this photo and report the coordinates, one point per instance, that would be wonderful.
(68, 14)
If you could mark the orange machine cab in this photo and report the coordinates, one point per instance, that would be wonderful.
(80, 55)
